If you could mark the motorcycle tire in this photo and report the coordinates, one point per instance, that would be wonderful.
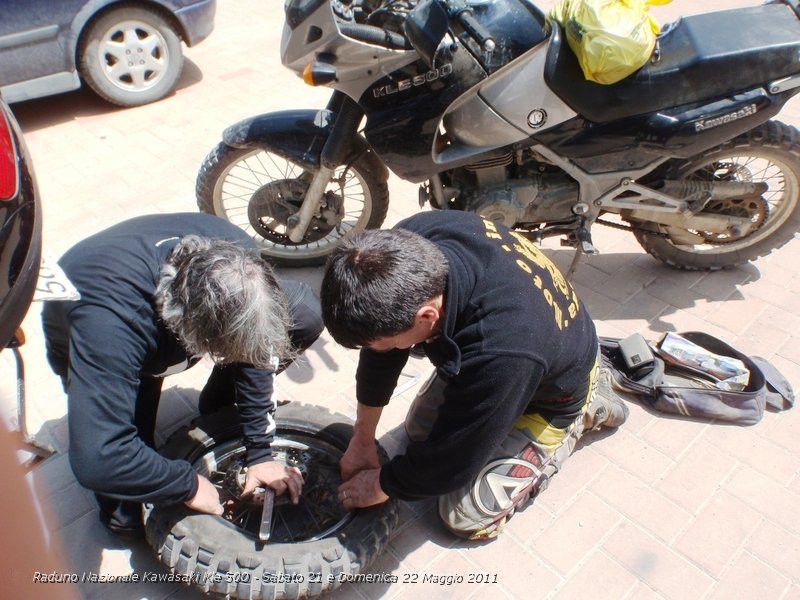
(219, 558)
(216, 169)
(773, 142)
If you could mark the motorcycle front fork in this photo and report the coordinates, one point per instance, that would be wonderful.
(334, 153)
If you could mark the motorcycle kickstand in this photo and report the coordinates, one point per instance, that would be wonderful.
(583, 246)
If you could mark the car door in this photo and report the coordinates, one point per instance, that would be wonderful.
(33, 42)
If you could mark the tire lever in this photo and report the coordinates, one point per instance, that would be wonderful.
(266, 515)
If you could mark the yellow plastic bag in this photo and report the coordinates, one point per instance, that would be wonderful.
(611, 38)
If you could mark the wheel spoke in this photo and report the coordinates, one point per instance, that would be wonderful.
(116, 50)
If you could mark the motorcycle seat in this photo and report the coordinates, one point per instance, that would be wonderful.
(702, 57)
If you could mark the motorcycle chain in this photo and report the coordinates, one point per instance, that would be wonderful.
(631, 228)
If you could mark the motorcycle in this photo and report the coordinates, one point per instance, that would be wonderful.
(483, 103)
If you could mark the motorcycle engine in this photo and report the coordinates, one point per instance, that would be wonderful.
(515, 194)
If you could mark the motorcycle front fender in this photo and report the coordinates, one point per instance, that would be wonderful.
(296, 135)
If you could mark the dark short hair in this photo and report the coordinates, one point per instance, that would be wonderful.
(376, 281)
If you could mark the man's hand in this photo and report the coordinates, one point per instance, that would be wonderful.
(364, 489)
(206, 499)
(273, 474)
(361, 454)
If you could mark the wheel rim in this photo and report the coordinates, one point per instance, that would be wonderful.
(252, 180)
(317, 515)
(133, 56)
(766, 213)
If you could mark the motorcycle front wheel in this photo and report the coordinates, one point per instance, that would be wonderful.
(769, 153)
(314, 546)
(258, 191)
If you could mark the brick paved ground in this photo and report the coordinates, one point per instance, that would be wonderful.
(663, 508)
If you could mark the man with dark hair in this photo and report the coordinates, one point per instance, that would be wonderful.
(157, 293)
(516, 358)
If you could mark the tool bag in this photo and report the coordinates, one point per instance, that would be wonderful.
(671, 389)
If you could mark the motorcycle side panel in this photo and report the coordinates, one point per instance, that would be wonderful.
(681, 132)
(296, 135)
(520, 95)
(403, 115)
(508, 107)
(404, 110)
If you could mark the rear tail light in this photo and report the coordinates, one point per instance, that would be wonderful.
(8, 161)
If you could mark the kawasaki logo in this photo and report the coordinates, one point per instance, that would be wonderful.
(407, 84)
(748, 110)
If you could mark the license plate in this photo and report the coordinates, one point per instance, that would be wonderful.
(53, 283)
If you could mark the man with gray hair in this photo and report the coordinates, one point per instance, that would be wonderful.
(157, 293)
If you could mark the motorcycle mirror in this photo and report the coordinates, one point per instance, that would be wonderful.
(425, 28)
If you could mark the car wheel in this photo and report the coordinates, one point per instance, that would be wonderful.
(130, 56)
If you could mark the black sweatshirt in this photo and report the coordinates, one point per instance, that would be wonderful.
(116, 339)
(514, 339)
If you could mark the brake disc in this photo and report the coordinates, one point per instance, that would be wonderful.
(272, 204)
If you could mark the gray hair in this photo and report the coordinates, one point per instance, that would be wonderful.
(224, 300)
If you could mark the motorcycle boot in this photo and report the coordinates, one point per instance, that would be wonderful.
(606, 409)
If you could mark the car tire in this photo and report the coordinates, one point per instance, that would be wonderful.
(119, 35)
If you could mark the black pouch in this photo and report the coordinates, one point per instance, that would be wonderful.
(671, 389)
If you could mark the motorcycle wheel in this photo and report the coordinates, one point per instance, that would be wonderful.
(258, 191)
(768, 153)
(314, 546)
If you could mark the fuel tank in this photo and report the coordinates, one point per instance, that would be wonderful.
(516, 26)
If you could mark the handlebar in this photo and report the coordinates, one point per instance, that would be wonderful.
(461, 12)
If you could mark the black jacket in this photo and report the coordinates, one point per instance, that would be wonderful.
(514, 339)
(116, 340)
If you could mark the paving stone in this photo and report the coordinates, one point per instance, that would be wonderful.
(624, 284)
(582, 468)
(531, 577)
(762, 493)
(778, 547)
(641, 306)
(791, 349)
(793, 593)
(579, 530)
(422, 542)
(656, 565)
(51, 476)
(634, 455)
(529, 523)
(682, 320)
(643, 592)
(719, 530)
(735, 315)
(720, 285)
(750, 578)
(639, 417)
(447, 577)
(749, 446)
(677, 294)
(598, 305)
(697, 476)
(761, 338)
(641, 503)
(599, 572)
(673, 435)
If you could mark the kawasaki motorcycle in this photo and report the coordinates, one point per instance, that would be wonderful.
(483, 104)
